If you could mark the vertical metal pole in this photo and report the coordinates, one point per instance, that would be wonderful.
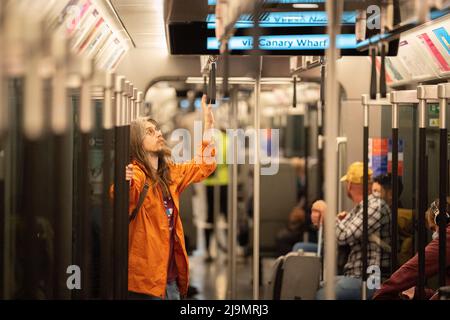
(212, 84)
(216, 209)
(33, 130)
(134, 104)
(127, 102)
(365, 239)
(443, 176)
(422, 206)
(63, 167)
(334, 9)
(106, 275)
(4, 119)
(320, 111)
(320, 151)
(232, 145)
(126, 195)
(139, 102)
(394, 207)
(234, 200)
(119, 190)
(86, 116)
(383, 87)
(59, 111)
(414, 182)
(86, 108)
(33, 117)
(294, 97)
(256, 184)
(373, 74)
(13, 72)
(306, 204)
(226, 71)
(342, 156)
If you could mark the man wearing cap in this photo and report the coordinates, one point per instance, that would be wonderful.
(349, 228)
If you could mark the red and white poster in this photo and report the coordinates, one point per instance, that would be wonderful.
(435, 53)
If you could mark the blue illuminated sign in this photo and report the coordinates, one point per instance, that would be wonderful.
(444, 38)
(198, 103)
(287, 19)
(185, 104)
(291, 42)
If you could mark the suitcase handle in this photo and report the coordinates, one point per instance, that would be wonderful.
(319, 241)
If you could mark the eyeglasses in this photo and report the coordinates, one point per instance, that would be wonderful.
(152, 131)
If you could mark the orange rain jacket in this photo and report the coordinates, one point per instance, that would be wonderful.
(148, 244)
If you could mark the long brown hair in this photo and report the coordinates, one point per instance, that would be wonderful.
(161, 176)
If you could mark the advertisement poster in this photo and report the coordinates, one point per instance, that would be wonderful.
(98, 40)
(434, 52)
(412, 55)
(91, 34)
(89, 41)
(84, 30)
(380, 156)
(444, 39)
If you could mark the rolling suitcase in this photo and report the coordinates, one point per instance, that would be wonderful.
(295, 276)
(301, 276)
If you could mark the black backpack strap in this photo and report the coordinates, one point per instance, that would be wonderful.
(142, 196)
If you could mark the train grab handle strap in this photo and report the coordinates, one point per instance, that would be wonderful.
(142, 196)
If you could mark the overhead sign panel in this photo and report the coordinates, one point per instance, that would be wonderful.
(290, 42)
(294, 28)
(287, 19)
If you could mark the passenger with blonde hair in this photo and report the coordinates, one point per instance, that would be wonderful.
(349, 234)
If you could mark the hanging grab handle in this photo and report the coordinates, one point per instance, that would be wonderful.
(212, 84)
(322, 84)
(383, 89)
(205, 86)
(373, 75)
(226, 72)
(294, 99)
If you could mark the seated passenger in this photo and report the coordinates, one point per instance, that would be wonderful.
(349, 228)
(405, 278)
(290, 235)
(310, 246)
(297, 222)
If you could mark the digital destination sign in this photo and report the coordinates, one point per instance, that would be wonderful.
(289, 42)
(287, 19)
(300, 30)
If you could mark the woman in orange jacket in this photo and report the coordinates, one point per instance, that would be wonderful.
(158, 266)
